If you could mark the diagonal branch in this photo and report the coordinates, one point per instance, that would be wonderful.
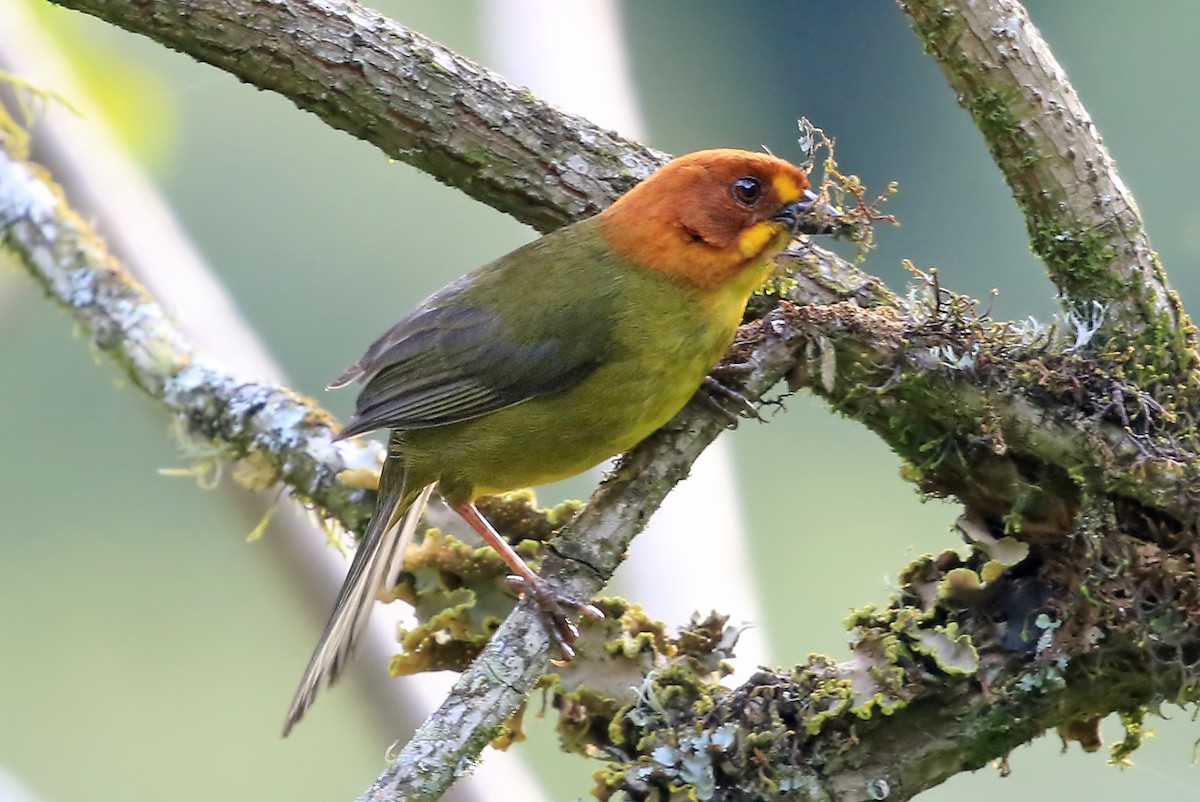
(414, 99)
(275, 434)
(1082, 219)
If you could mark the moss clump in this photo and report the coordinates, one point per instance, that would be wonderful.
(1080, 259)
(1134, 722)
(459, 591)
(518, 517)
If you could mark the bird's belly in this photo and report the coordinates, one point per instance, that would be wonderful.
(554, 437)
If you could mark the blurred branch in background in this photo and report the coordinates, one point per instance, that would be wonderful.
(1071, 445)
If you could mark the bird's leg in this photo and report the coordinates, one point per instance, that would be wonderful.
(549, 600)
(724, 398)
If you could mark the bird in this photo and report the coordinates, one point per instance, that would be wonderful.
(552, 358)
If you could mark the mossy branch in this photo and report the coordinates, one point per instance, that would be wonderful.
(938, 684)
(1011, 419)
(1082, 219)
(268, 432)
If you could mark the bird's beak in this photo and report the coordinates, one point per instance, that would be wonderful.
(809, 215)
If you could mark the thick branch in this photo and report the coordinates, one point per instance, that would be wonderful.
(938, 684)
(414, 99)
(994, 414)
(1082, 219)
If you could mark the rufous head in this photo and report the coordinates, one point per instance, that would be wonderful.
(706, 217)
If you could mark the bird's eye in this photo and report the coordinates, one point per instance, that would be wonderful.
(748, 191)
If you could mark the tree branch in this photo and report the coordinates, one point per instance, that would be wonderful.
(937, 685)
(1082, 219)
(272, 433)
(414, 99)
(993, 412)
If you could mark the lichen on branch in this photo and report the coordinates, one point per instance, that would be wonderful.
(287, 437)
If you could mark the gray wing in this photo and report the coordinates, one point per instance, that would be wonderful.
(451, 360)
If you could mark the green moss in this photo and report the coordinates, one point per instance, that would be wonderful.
(829, 701)
(940, 32)
(778, 285)
(517, 516)
(1134, 722)
(1080, 259)
(991, 105)
(477, 158)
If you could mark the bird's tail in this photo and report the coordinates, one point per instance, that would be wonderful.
(379, 559)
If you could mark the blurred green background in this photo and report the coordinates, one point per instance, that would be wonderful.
(148, 647)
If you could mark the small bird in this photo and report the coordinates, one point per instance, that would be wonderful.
(551, 359)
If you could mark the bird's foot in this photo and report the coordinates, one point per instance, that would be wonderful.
(553, 605)
(726, 400)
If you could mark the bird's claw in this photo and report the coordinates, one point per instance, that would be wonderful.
(551, 604)
(727, 401)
